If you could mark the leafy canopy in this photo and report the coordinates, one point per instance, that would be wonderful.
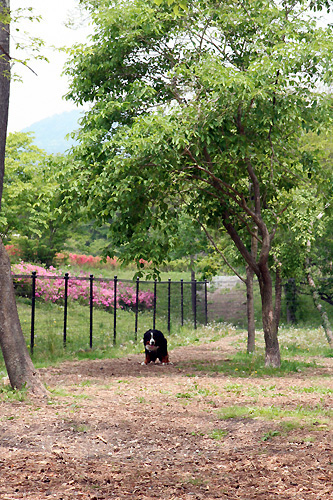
(199, 110)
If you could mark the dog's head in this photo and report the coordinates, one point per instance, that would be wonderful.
(151, 340)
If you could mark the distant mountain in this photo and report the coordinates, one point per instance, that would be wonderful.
(50, 133)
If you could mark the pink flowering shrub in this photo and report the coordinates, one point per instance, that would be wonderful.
(50, 287)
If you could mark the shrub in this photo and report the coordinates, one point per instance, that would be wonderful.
(14, 253)
(50, 287)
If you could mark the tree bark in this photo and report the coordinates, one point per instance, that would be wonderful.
(270, 326)
(20, 369)
(278, 295)
(4, 85)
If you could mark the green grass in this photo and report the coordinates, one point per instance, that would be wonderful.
(298, 417)
(253, 365)
(218, 434)
(269, 435)
(184, 395)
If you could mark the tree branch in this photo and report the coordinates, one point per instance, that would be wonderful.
(219, 252)
(17, 60)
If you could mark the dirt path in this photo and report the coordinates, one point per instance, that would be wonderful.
(115, 429)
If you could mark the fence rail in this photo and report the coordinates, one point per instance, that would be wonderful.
(114, 284)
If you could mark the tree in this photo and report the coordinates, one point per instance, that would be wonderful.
(201, 109)
(31, 217)
(22, 165)
(304, 242)
(4, 84)
(322, 247)
(20, 369)
(302, 227)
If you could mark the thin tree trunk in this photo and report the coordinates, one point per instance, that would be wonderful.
(193, 290)
(251, 329)
(278, 295)
(4, 85)
(20, 369)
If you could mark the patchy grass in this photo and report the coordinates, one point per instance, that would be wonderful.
(299, 417)
(252, 365)
(312, 390)
(269, 435)
(218, 434)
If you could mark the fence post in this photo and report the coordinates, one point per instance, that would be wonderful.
(65, 308)
(91, 307)
(206, 304)
(115, 310)
(195, 303)
(154, 316)
(136, 309)
(169, 303)
(33, 308)
(182, 301)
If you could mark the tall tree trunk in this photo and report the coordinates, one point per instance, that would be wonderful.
(270, 326)
(4, 85)
(261, 269)
(20, 369)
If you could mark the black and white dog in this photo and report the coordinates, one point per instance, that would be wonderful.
(156, 346)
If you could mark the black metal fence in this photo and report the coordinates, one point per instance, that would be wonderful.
(170, 299)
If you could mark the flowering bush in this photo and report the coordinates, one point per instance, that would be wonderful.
(13, 251)
(50, 287)
(91, 262)
(87, 260)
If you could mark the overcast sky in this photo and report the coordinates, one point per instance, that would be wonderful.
(41, 96)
